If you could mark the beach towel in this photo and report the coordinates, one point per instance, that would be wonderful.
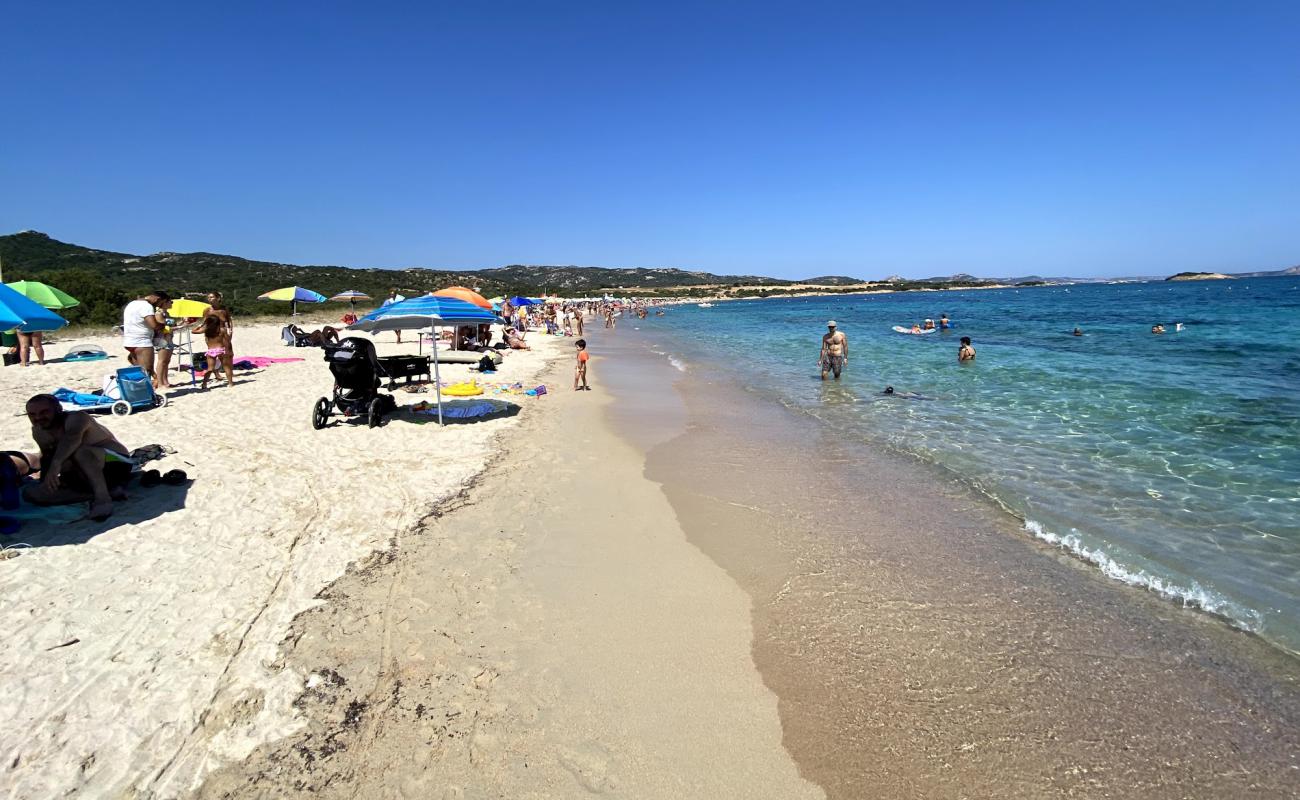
(71, 400)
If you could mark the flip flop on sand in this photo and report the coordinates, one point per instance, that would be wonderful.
(150, 478)
(175, 477)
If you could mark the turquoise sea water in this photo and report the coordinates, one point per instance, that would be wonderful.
(1170, 462)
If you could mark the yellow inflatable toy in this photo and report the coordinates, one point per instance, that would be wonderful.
(463, 389)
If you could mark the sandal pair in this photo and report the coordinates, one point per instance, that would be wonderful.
(175, 477)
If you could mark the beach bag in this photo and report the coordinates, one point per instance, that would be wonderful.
(485, 364)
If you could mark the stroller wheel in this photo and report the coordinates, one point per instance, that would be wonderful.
(121, 408)
(320, 413)
(159, 400)
(376, 413)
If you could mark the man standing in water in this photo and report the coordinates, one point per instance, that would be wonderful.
(835, 351)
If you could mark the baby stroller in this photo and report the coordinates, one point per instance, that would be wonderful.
(357, 374)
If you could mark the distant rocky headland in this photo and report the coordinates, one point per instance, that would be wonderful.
(1198, 276)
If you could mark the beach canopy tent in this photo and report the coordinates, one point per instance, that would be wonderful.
(520, 302)
(28, 316)
(293, 295)
(44, 294)
(461, 293)
(419, 313)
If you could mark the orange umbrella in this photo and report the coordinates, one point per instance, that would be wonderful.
(468, 295)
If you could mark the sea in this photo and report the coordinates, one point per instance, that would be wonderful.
(1168, 462)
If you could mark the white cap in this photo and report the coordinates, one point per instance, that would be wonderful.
(830, 324)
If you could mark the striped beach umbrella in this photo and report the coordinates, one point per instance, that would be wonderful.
(419, 313)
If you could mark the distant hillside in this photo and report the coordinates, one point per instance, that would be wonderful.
(104, 280)
(1269, 274)
(833, 280)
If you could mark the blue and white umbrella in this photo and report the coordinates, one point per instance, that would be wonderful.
(28, 316)
(419, 313)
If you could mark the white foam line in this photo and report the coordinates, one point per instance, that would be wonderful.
(1193, 596)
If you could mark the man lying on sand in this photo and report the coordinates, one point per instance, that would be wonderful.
(80, 460)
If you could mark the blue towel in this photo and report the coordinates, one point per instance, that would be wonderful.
(80, 399)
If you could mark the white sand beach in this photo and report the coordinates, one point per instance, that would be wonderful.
(145, 650)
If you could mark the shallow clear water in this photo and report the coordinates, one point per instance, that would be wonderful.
(1171, 462)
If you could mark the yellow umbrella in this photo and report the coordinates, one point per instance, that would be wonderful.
(188, 308)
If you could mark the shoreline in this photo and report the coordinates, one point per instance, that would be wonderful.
(947, 664)
(552, 634)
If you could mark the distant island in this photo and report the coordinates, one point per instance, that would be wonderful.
(1198, 276)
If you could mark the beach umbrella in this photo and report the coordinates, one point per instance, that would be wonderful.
(520, 302)
(352, 297)
(293, 295)
(419, 313)
(185, 308)
(461, 293)
(44, 294)
(28, 316)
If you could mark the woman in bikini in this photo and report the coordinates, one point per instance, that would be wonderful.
(219, 312)
(215, 339)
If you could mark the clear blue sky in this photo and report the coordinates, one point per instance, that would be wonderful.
(795, 139)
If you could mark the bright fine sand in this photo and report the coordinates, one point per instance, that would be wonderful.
(142, 652)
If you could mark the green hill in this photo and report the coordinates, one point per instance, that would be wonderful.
(104, 281)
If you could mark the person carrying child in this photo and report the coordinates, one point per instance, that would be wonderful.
(580, 373)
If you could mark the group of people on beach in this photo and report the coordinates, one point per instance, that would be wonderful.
(148, 334)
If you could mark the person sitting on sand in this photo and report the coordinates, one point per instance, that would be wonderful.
(80, 459)
(515, 341)
(317, 338)
(966, 352)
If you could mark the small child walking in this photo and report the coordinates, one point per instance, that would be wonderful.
(580, 373)
(214, 338)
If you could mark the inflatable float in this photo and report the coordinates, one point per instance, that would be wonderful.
(917, 332)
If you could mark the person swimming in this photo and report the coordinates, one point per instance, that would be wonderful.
(1078, 332)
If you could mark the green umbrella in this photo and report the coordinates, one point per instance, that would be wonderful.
(44, 294)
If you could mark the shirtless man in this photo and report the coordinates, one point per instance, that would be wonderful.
(835, 351)
(80, 460)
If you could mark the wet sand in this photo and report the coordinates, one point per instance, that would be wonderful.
(922, 646)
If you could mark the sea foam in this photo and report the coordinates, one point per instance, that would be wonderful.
(1192, 595)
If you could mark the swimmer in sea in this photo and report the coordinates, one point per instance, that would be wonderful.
(1157, 328)
(1078, 332)
(889, 392)
(835, 351)
(966, 352)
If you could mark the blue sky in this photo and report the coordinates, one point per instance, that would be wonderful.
(795, 139)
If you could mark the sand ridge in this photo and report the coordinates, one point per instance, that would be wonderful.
(179, 604)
